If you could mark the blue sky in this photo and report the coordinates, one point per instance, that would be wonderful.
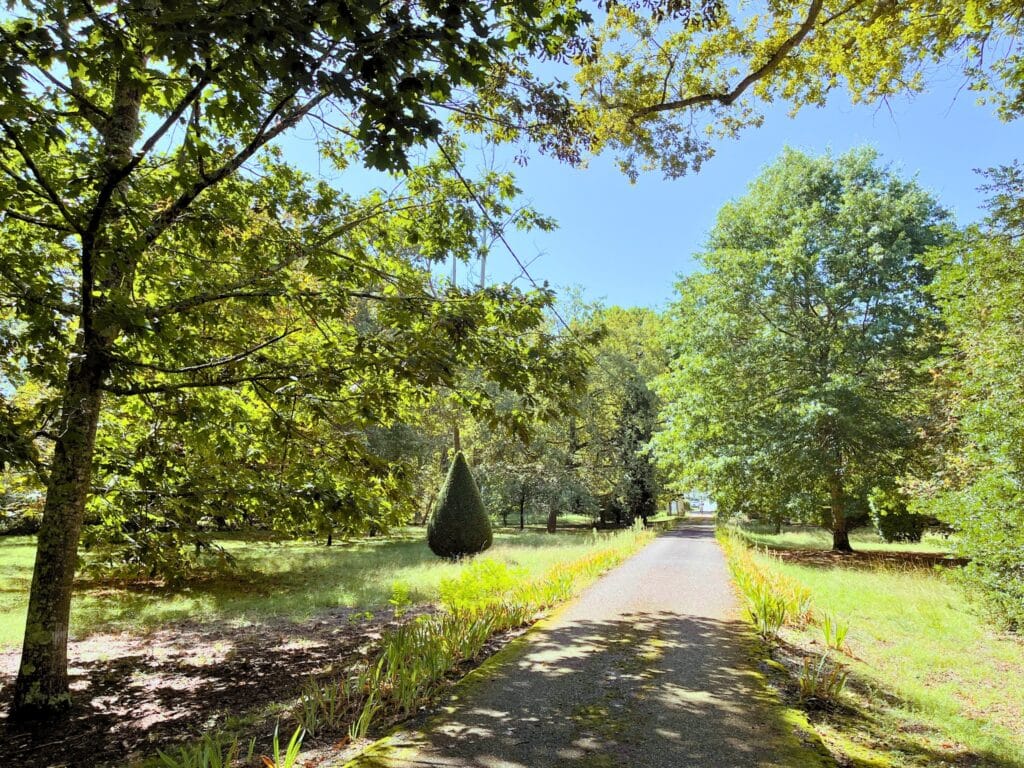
(626, 244)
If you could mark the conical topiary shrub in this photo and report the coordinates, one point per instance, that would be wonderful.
(459, 524)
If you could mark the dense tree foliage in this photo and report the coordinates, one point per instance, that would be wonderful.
(593, 461)
(152, 244)
(798, 353)
(980, 486)
(637, 421)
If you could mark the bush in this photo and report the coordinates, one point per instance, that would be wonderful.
(772, 598)
(900, 527)
(891, 518)
(459, 524)
(988, 517)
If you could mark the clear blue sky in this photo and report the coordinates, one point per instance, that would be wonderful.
(626, 244)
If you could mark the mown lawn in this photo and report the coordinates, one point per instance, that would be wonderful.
(861, 539)
(290, 580)
(933, 682)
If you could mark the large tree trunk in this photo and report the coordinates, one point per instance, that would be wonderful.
(840, 533)
(552, 518)
(41, 689)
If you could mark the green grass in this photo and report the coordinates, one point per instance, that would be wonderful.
(862, 539)
(16, 557)
(937, 684)
(283, 580)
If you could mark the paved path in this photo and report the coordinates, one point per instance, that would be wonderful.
(649, 667)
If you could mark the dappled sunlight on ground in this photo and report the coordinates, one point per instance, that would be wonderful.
(135, 693)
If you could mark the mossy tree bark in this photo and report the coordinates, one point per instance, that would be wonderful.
(107, 268)
(840, 531)
(41, 689)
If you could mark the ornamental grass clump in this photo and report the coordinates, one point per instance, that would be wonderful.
(459, 524)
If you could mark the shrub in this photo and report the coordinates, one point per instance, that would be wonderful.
(20, 513)
(772, 599)
(482, 582)
(820, 682)
(891, 518)
(459, 525)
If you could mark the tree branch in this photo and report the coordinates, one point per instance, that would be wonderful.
(729, 97)
(212, 383)
(40, 177)
(37, 222)
(263, 136)
(217, 363)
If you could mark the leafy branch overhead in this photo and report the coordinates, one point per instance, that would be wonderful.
(659, 83)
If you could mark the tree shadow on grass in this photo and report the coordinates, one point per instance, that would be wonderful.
(134, 694)
(867, 559)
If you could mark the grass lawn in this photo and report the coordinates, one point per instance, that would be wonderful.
(932, 682)
(283, 580)
(863, 539)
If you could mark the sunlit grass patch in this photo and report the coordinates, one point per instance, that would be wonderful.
(279, 580)
(17, 554)
(930, 681)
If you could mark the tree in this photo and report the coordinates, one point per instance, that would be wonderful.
(618, 412)
(124, 131)
(978, 488)
(459, 525)
(637, 421)
(799, 354)
(658, 82)
(575, 458)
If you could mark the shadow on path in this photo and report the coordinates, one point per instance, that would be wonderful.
(651, 667)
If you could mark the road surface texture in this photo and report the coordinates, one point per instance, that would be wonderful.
(651, 666)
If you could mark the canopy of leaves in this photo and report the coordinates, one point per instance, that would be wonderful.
(798, 353)
(660, 81)
(256, 334)
(592, 459)
(980, 486)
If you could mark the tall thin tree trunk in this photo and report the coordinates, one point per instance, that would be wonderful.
(840, 532)
(41, 689)
(552, 518)
(522, 510)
